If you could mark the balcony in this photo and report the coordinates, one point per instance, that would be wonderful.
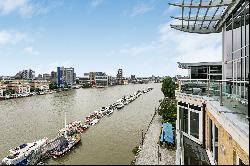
(235, 107)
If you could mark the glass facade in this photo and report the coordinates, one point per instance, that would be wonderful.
(213, 72)
(236, 51)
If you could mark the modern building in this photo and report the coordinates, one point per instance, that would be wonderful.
(53, 77)
(65, 76)
(19, 86)
(212, 127)
(84, 80)
(111, 80)
(26, 75)
(101, 79)
(132, 77)
(42, 85)
(39, 77)
(203, 70)
(119, 75)
(46, 77)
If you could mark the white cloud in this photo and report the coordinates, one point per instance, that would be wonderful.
(137, 50)
(172, 46)
(11, 37)
(7, 6)
(31, 51)
(26, 8)
(141, 9)
(170, 9)
(95, 3)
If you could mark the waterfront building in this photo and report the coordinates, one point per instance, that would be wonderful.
(53, 77)
(28, 74)
(39, 77)
(2, 89)
(203, 70)
(84, 80)
(25, 74)
(65, 76)
(46, 77)
(119, 75)
(42, 85)
(212, 124)
(101, 79)
(19, 86)
(132, 77)
(111, 80)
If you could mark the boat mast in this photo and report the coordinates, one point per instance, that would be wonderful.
(65, 133)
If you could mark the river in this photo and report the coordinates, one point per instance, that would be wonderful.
(109, 142)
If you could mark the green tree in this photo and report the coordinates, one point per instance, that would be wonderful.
(168, 110)
(53, 86)
(9, 92)
(168, 87)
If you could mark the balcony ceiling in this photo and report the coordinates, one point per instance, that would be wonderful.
(201, 16)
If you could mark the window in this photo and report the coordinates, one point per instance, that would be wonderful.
(194, 124)
(185, 120)
(213, 139)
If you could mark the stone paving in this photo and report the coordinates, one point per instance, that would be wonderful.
(149, 151)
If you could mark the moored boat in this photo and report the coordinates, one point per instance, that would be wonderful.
(25, 154)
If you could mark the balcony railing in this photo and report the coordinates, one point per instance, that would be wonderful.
(223, 91)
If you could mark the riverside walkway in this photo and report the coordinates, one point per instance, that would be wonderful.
(149, 150)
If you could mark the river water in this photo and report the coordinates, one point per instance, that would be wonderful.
(109, 142)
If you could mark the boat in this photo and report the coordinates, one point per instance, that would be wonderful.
(66, 144)
(104, 110)
(126, 103)
(73, 128)
(120, 105)
(25, 154)
(110, 111)
(93, 122)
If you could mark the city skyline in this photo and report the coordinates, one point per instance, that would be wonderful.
(98, 35)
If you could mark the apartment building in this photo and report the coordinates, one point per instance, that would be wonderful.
(213, 126)
(19, 86)
(65, 76)
(42, 85)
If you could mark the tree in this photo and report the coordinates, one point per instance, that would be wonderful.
(168, 110)
(53, 86)
(168, 87)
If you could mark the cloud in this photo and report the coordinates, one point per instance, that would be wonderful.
(141, 9)
(28, 8)
(95, 3)
(11, 37)
(170, 9)
(31, 51)
(137, 50)
(171, 46)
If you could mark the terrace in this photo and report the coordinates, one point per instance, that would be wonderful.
(234, 107)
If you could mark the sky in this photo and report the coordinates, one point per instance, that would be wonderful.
(98, 35)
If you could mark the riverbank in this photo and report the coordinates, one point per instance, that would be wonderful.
(148, 154)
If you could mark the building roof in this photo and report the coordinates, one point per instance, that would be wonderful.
(187, 65)
(204, 16)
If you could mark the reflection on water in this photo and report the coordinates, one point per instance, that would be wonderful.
(109, 142)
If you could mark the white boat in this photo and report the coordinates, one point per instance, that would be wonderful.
(120, 105)
(93, 122)
(110, 111)
(104, 110)
(25, 154)
(126, 103)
